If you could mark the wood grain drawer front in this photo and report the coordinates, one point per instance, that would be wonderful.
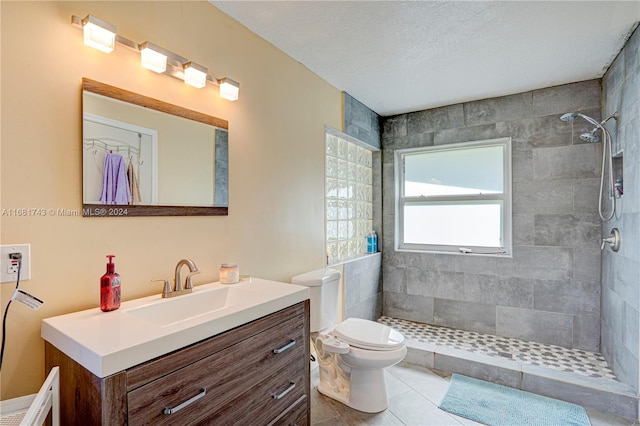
(262, 403)
(159, 367)
(296, 415)
(225, 375)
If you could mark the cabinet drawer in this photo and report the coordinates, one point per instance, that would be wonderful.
(159, 367)
(225, 375)
(262, 403)
(295, 415)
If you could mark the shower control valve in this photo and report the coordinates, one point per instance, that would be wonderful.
(613, 240)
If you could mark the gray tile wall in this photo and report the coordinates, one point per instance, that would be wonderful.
(361, 122)
(550, 290)
(621, 271)
(221, 169)
(363, 288)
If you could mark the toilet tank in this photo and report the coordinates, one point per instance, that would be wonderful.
(323, 285)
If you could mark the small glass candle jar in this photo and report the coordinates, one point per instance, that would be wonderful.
(229, 273)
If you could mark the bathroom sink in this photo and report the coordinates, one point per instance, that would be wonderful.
(199, 304)
(146, 328)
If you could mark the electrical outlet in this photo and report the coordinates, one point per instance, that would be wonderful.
(9, 267)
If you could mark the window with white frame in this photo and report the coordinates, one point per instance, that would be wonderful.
(455, 198)
(348, 196)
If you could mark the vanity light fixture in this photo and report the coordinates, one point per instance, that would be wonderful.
(195, 75)
(152, 57)
(229, 89)
(99, 34)
(102, 35)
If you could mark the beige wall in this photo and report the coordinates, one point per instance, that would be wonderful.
(275, 224)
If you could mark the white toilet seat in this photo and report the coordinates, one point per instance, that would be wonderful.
(368, 335)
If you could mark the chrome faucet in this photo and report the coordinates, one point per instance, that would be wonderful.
(179, 288)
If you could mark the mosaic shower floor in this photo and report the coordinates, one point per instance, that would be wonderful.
(590, 364)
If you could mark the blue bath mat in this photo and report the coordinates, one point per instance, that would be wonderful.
(498, 405)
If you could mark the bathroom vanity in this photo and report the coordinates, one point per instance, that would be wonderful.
(254, 372)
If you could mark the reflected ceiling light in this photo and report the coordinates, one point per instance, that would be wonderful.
(229, 89)
(152, 57)
(99, 34)
(195, 75)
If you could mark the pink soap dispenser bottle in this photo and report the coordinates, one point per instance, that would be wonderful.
(110, 288)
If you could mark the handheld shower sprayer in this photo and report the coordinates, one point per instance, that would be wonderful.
(607, 155)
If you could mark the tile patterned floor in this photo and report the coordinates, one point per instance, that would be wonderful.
(414, 395)
(577, 361)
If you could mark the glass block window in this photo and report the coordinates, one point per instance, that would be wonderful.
(348, 196)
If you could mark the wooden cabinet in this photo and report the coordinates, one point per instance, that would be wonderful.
(255, 374)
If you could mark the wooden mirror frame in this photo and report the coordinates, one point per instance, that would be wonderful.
(112, 210)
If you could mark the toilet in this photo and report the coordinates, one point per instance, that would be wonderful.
(351, 355)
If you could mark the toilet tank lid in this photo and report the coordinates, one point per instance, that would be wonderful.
(317, 277)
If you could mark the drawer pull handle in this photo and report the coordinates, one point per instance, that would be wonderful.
(286, 391)
(285, 347)
(190, 401)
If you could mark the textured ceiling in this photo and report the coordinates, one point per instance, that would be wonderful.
(401, 56)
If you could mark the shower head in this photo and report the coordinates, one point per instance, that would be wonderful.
(570, 116)
(590, 137)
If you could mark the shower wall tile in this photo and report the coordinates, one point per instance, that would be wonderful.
(394, 126)
(586, 332)
(587, 265)
(505, 108)
(615, 75)
(370, 309)
(625, 365)
(466, 134)
(556, 232)
(545, 196)
(585, 195)
(363, 290)
(540, 132)
(567, 296)
(480, 317)
(621, 271)
(522, 165)
(419, 139)
(630, 337)
(522, 229)
(632, 54)
(431, 120)
(551, 263)
(434, 283)
(410, 307)
(566, 98)
(361, 122)
(469, 264)
(497, 290)
(572, 162)
(625, 281)
(544, 327)
(394, 279)
(574, 230)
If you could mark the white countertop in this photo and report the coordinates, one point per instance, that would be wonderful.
(108, 342)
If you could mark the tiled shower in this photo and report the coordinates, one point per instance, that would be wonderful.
(559, 288)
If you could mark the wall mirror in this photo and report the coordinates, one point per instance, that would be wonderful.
(145, 157)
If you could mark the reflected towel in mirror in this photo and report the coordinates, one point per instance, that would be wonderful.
(134, 185)
(115, 185)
